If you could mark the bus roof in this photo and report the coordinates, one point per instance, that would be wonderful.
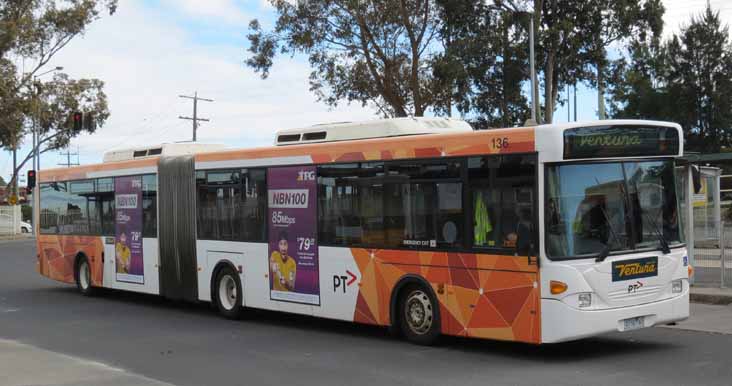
(546, 139)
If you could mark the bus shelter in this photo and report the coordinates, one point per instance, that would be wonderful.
(703, 216)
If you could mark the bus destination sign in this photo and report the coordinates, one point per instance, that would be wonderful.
(620, 141)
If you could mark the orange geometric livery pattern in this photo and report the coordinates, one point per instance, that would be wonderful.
(481, 296)
(57, 255)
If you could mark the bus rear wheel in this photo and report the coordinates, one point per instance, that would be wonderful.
(82, 274)
(419, 315)
(228, 293)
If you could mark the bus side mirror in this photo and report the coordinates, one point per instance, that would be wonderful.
(696, 178)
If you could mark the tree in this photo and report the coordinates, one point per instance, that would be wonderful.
(485, 62)
(618, 21)
(689, 83)
(2, 181)
(35, 31)
(368, 52)
(699, 82)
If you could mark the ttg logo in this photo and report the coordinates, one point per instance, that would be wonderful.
(306, 175)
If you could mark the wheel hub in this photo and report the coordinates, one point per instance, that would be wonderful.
(228, 292)
(84, 276)
(418, 312)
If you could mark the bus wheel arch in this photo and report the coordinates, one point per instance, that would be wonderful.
(225, 279)
(407, 284)
(82, 275)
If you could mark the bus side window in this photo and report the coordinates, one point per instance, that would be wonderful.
(502, 198)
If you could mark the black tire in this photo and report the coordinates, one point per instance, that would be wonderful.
(82, 275)
(419, 315)
(23, 230)
(228, 293)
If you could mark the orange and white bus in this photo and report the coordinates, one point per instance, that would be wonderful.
(535, 234)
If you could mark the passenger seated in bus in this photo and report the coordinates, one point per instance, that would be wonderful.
(509, 224)
(524, 232)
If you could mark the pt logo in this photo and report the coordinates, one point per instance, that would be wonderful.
(343, 281)
(634, 287)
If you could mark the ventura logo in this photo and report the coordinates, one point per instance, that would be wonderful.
(634, 269)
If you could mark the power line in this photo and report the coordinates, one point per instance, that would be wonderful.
(195, 118)
(68, 155)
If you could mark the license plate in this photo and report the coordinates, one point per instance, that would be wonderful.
(633, 323)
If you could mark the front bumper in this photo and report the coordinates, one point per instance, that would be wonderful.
(560, 322)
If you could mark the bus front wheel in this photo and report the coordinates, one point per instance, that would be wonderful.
(419, 315)
(228, 293)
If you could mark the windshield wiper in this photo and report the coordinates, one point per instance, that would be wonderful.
(659, 234)
(602, 255)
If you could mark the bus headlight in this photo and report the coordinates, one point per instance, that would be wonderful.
(677, 286)
(585, 299)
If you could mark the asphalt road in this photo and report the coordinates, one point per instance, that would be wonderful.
(187, 344)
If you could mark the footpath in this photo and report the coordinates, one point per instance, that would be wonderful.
(22, 236)
(711, 311)
(21, 364)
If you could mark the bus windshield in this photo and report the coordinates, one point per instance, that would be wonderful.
(594, 209)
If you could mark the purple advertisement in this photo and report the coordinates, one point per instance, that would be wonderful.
(293, 247)
(128, 230)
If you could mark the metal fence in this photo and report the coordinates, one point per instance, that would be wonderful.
(713, 258)
(10, 217)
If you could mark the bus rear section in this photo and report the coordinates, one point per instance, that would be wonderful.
(613, 257)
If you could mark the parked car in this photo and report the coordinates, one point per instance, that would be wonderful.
(25, 227)
(6, 221)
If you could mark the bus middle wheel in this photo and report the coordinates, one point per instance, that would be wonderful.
(228, 293)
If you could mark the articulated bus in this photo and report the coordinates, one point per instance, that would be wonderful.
(536, 234)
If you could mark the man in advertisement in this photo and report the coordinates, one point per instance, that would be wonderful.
(123, 253)
(283, 266)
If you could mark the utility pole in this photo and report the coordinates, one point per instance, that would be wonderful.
(569, 106)
(195, 117)
(15, 165)
(534, 93)
(68, 155)
(575, 101)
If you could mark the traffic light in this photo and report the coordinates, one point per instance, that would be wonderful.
(89, 124)
(77, 121)
(31, 179)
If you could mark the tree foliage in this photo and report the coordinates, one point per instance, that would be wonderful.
(32, 32)
(360, 51)
(484, 63)
(685, 80)
(469, 56)
(618, 22)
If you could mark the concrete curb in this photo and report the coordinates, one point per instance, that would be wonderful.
(720, 300)
(715, 296)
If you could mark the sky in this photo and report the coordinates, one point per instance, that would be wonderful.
(150, 52)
